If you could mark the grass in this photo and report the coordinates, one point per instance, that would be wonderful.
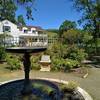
(6, 74)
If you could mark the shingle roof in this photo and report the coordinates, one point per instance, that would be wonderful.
(29, 27)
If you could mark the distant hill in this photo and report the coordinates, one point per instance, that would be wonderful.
(52, 32)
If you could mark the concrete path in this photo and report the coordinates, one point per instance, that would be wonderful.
(91, 84)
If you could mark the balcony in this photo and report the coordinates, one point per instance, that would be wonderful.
(29, 42)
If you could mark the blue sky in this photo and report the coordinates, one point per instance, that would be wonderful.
(51, 13)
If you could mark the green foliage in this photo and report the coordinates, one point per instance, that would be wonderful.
(69, 64)
(57, 64)
(64, 64)
(71, 86)
(86, 37)
(76, 36)
(53, 50)
(2, 53)
(42, 87)
(13, 62)
(76, 54)
(53, 30)
(71, 51)
(71, 36)
(56, 50)
(35, 62)
(20, 20)
(8, 9)
(66, 57)
(65, 26)
(90, 10)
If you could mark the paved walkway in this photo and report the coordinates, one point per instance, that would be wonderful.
(91, 84)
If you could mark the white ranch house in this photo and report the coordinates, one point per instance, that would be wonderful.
(31, 35)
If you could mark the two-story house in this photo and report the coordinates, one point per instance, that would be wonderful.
(30, 35)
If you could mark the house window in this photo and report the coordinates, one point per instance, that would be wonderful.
(34, 39)
(33, 31)
(41, 40)
(6, 29)
(39, 32)
(25, 31)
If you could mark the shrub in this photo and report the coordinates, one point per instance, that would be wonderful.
(35, 62)
(13, 62)
(76, 53)
(57, 63)
(2, 53)
(64, 64)
(57, 49)
(71, 86)
(69, 64)
(65, 57)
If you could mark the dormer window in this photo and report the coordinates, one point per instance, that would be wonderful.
(25, 31)
(6, 29)
(33, 31)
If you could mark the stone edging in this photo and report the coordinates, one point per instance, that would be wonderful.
(83, 92)
(85, 76)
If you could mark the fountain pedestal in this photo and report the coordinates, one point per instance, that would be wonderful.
(27, 88)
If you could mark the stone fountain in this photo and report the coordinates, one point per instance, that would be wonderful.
(26, 50)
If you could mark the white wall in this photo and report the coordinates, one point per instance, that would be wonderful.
(30, 33)
(14, 30)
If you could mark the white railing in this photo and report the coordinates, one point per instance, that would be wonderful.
(25, 42)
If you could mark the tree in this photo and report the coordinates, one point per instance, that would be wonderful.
(20, 20)
(66, 25)
(9, 7)
(85, 37)
(90, 10)
(2, 53)
(71, 36)
(28, 5)
(7, 10)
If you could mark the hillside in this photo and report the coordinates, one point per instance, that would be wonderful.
(51, 32)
